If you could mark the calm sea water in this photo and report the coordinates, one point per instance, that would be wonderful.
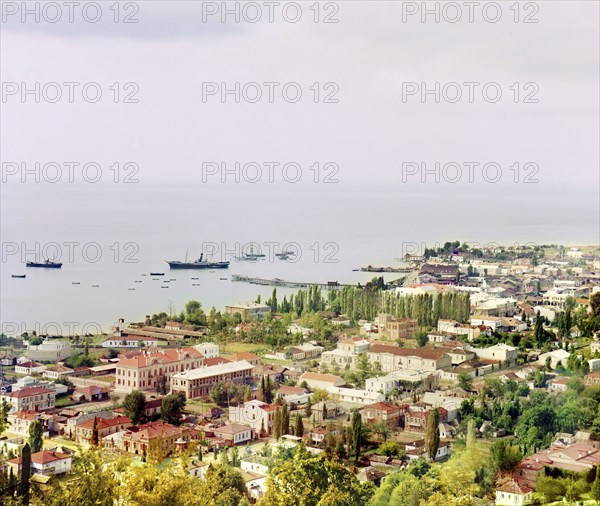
(336, 228)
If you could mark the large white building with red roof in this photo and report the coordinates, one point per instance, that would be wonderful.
(46, 462)
(145, 371)
(31, 399)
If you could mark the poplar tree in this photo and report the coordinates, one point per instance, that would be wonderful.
(432, 435)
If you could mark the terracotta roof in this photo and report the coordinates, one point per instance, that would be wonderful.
(383, 406)
(27, 392)
(152, 430)
(163, 357)
(103, 423)
(244, 355)
(25, 414)
(43, 457)
(427, 353)
(216, 361)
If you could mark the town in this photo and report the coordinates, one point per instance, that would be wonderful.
(471, 378)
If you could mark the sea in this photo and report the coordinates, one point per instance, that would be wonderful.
(110, 237)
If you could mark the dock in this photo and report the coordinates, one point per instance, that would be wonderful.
(330, 285)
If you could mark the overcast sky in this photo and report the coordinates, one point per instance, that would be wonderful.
(369, 53)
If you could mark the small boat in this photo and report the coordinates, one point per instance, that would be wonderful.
(195, 284)
(131, 289)
(144, 274)
(195, 278)
(167, 281)
(157, 274)
(95, 286)
(172, 279)
(48, 264)
(75, 283)
(223, 279)
(355, 270)
(138, 281)
(164, 287)
(155, 279)
(19, 276)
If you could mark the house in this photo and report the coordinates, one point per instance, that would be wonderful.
(31, 399)
(255, 413)
(163, 436)
(50, 350)
(91, 393)
(344, 321)
(208, 350)
(46, 463)
(251, 358)
(397, 328)
(446, 431)
(558, 384)
(286, 391)
(145, 371)
(30, 367)
(455, 328)
(105, 426)
(129, 342)
(503, 354)
(416, 450)
(511, 493)
(381, 411)
(57, 371)
(235, 433)
(249, 311)
(195, 383)
(393, 357)
(21, 420)
(556, 356)
(418, 414)
(316, 380)
(591, 379)
(318, 433)
(580, 457)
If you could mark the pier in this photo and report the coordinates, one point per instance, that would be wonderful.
(330, 285)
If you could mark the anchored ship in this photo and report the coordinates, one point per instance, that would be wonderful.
(48, 264)
(197, 264)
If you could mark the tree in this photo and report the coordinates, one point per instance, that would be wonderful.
(299, 426)
(595, 491)
(95, 438)
(276, 430)
(465, 381)
(25, 474)
(4, 410)
(268, 393)
(36, 436)
(285, 420)
(134, 405)
(172, 408)
(308, 408)
(422, 338)
(356, 434)
(432, 435)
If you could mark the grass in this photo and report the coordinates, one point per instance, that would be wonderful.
(64, 401)
(234, 347)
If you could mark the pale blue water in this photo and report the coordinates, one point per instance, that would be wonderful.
(368, 224)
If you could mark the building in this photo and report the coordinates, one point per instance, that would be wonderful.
(392, 358)
(105, 426)
(418, 414)
(129, 342)
(30, 399)
(317, 380)
(256, 414)
(576, 458)
(493, 322)
(505, 355)
(50, 350)
(354, 395)
(454, 328)
(57, 371)
(198, 382)
(30, 367)
(384, 412)
(46, 463)
(208, 350)
(249, 311)
(21, 420)
(160, 436)
(91, 393)
(145, 371)
(591, 379)
(397, 328)
(556, 356)
(234, 433)
(511, 493)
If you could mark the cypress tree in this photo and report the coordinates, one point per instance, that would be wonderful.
(299, 426)
(95, 438)
(25, 474)
(356, 430)
(432, 436)
(285, 420)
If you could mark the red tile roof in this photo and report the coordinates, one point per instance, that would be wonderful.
(29, 391)
(103, 423)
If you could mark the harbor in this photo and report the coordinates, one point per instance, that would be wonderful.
(330, 285)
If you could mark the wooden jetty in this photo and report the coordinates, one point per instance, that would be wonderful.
(330, 285)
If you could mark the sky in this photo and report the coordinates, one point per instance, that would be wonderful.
(367, 58)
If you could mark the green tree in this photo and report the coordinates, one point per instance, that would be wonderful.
(4, 410)
(134, 405)
(95, 437)
(172, 408)
(285, 420)
(432, 434)
(356, 434)
(465, 381)
(298, 426)
(595, 491)
(36, 436)
(25, 474)
(422, 338)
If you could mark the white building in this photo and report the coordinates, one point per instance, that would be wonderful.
(255, 413)
(556, 356)
(512, 493)
(51, 350)
(500, 352)
(209, 350)
(129, 342)
(355, 396)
